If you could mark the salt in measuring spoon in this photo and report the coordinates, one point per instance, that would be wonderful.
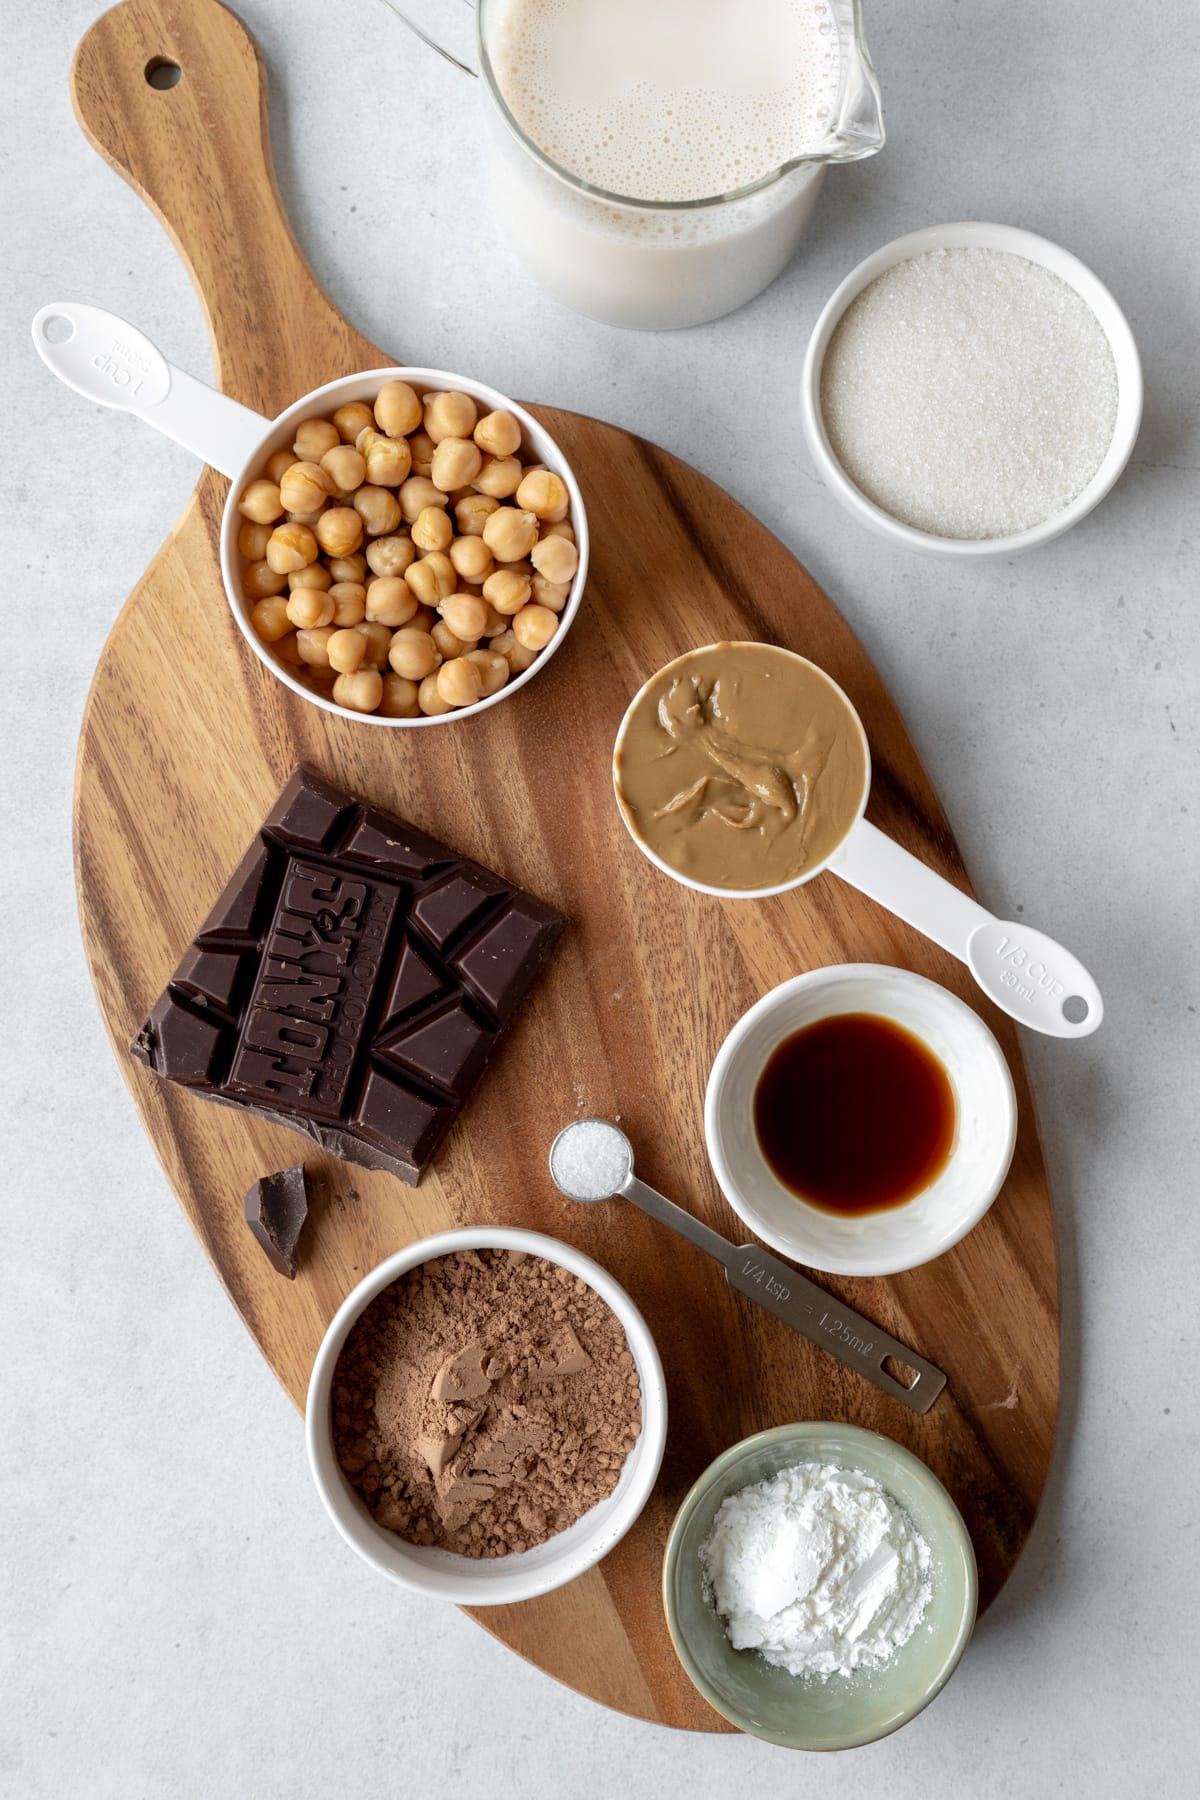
(592, 1160)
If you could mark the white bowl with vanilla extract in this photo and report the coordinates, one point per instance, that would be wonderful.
(902, 1230)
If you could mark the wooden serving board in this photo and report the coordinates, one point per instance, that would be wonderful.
(186, 740)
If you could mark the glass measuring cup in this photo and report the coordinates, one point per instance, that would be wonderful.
(1025, 973)
(650, 264)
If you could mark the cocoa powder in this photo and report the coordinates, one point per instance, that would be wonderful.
(484, 1402)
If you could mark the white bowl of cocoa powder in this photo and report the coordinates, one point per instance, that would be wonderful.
(486, 1416)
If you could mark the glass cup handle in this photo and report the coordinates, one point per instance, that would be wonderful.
(404, 14)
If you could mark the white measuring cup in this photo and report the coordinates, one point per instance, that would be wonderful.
(1025, 973)
(112, 363)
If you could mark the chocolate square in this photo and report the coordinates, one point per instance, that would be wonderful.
(352, 981)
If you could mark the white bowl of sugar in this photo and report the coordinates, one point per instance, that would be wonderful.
(971, 390)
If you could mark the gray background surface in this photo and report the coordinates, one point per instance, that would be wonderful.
(176, 1616)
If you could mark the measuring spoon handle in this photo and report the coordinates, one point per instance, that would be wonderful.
(1029, 976)
(676, 1219)
(112, 363)
(809, 1310)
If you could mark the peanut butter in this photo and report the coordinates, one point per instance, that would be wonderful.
(741, 766)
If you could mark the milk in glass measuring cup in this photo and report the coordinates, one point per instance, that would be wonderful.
(655, 162)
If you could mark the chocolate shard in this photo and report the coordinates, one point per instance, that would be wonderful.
(352, 981)
(276, 1208)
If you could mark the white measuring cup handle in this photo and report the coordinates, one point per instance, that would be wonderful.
(1026, 973)
(113, 363)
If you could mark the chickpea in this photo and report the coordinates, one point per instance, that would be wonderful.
(286, 651)
(320, 680)
(309, 607)
(305, 488)
(493, 669)
(495, 622)
(499, 434)
(424, 619)
(261, 503)
(507, 590)
(417, 493)
(560, 528)
(390, 601)
(472, 559)
(360, 690)
(291, 547)
(348, 568)
(472, 510)
(312, 646)
(278, 465)
(456, 463)
(388, 459)
(448, 642)
(553, 594)
(432, 530)
(315, 576)
(399, 698)
(349, 602)
(261, 580)
(500, 477)
(313, 438)
(466, 615)
(545, 494)
(339, 531)
(378, 508)
(459, 683)
(509, 534)
(450, 415)
(397, 409)
(515, 655)
(269, 619)
(298, 518)
(432, 578)
(555, 558)
(346, 650)
(390, 555)
(252, 540)
(421, 448)
(352, 419)
(379, 642)
(345, 467)
(429, 700)
(413, 654)
(534, 626)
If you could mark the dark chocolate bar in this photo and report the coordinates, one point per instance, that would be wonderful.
(276, 1208)
(352, 981)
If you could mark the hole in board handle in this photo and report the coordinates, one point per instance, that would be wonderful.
(57, 330)
(900, 1372)
(162, 73)
(1075, 1009)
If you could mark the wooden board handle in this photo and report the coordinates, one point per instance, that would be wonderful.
(197, 149)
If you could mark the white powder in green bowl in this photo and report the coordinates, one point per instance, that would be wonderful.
(969, 393)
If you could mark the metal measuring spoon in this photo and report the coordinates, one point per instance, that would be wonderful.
(592, 1160)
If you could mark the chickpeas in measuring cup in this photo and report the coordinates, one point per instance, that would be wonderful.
(382, 505)
(495, 575)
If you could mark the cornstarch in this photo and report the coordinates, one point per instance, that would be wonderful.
(819, 1569)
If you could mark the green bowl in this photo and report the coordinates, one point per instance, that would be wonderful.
(803, 1712)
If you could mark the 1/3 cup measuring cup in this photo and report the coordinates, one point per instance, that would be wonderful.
(112, 363)
(647, 263)
(1024, 972)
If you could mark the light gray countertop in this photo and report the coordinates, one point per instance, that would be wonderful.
(177, 1618)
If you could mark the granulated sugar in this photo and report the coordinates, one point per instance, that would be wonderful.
(969, 393)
